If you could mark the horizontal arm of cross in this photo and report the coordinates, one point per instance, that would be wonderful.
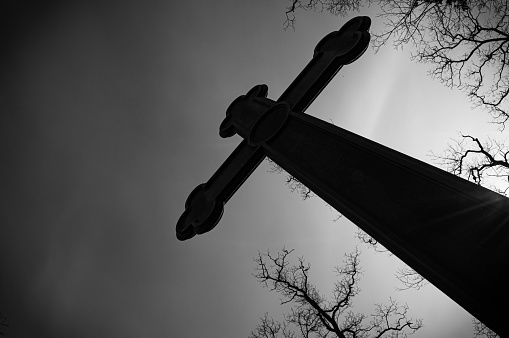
(331, 53)
(204, 205)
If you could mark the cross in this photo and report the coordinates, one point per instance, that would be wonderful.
(451, 231)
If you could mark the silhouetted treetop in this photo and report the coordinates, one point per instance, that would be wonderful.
(465, 42)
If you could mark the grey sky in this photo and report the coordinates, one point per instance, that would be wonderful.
(110, 117)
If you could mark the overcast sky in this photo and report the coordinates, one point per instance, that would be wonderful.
(110, 116)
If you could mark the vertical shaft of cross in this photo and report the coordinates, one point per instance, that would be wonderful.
(451, 231)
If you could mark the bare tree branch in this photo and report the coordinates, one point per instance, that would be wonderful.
(410, 279)
(335, 7)
(485, 163)
(392, 318)
(269, 328)
(481, 330)
(293, 184)
(370, 241)
(312, 315)
(466, 42)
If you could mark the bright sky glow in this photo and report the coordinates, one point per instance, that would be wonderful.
(112, 119)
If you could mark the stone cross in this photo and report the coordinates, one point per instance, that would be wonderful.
(451, 231)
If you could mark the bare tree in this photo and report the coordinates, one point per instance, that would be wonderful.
(485, 163)
(464, 41)
(312, 315)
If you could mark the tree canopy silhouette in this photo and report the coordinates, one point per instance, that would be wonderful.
(465, 42)
(313, 315)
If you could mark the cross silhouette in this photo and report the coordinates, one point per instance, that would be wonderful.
(451, 231)
(252, 116)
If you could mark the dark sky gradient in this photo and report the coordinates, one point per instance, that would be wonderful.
(109, 118)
